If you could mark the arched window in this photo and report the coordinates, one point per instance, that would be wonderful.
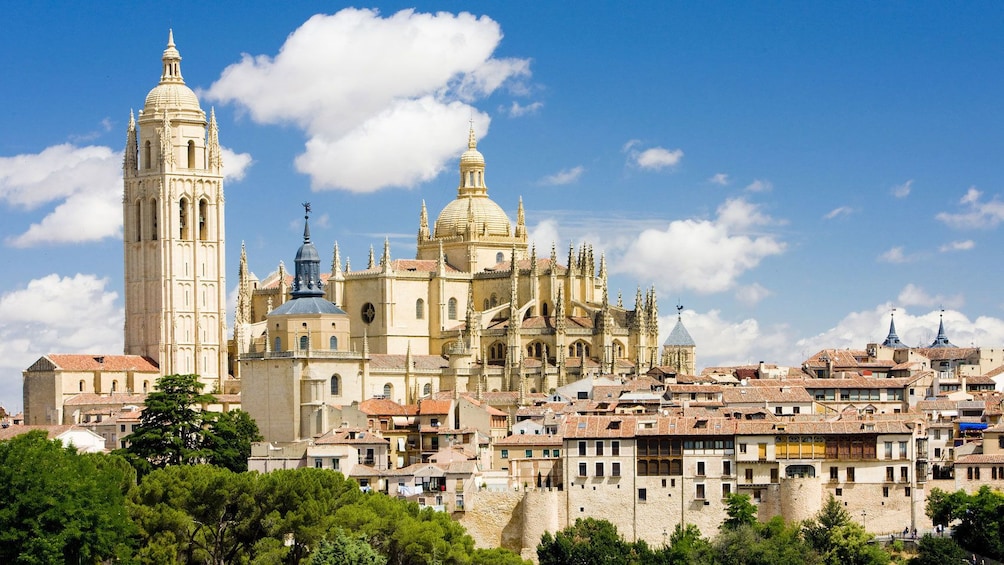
(480, 179)
(203, 220)
(191, 154)
(618, 350)
(333, 343)
(427, 389)
(388, 390)
(494, 301)
(115, 386)
(146, 386)
(139, 220)
(543, 310)
(153, 219)
(81, 386)
(499, 257)
(183, 218)
(304, 341)
(497, 351)
(336, 385)
(486, 304)
(419, 309)
(278, 343)
(451, 309)
(147, 155)
(470, 178)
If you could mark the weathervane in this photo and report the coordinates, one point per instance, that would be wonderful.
(306, 210)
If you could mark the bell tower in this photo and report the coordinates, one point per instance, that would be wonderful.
(173, 232)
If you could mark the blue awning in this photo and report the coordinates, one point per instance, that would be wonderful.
(966, 426)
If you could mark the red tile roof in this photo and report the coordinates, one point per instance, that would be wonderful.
(81, 362)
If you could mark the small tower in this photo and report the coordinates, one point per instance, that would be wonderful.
(942, 340)
(892, 340)
(679, 350)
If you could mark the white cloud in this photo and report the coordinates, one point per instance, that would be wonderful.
(720, 179)
(55, 314)
(653, 158)
(725, 342)
(705, 256)
(517, 110)
(85, 181)
(980, 214)
(544, 235)
(913, 295)
(839, 211)
(365, 87)
(564, 176)
(902, 190)
(965, 245)
(751, 295)
(759, 186)
(235, 165)
(895, 255)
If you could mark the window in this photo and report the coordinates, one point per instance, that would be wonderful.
(906, 491)
(203, 220)
(615, 448)
(700, 468)
(318, 463)
(642, 495)
(885, 492)
(528, 453)
(749, 475)
(451, 309)
(726, 489)
(888, 474)
(582, 448)
(888, 450)
(615, 469)
(833, 474)
(839, 492)
(777, 410)
(546, 453)
(774, 476)
(976, 473)
(742, 448)
(336, 385)
(850, 474)
(333, 343)
(304, 341)
(183, 219)
(388, 390)
(937, 435)
(699, 495)
(557, 453)
(427, 389)
(419, 309)
(727, 468)
(582, 469)
(505, 454)
(902, 450)
(146, 155)
(499, 257)
(334, 464)
(599, 468)
(278, 343)
(191, 154)
(599, 448)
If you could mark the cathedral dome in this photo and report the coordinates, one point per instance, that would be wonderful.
(472, 157)
(489, 218)
(171, 93)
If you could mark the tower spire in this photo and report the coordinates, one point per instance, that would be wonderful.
(307, 277)
(129, 164)
(520, 220)
(942, 340)
(423, 224)
(892, 340)
(171, 59)
(215, 157)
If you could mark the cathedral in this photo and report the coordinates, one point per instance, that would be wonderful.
(477, 310)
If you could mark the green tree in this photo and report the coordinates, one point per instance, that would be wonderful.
(839, 540)
(774, 542)
(174, 431)
(980, 516)
(590, 541)
(740, 510)
(60, 506)
(817, 530)
(496, 556)
(686, 547)
(938, 551)
(340, 548)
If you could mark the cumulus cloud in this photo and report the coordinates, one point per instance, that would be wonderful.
(759, 185)
(86, 182)
(364, 87)
(517, 110)
(544, 235)
(751, 295)
(913, 295)
(965, 245)
(55, 314)
(726, 342)
(839, 211)
(705, 256)
(895, 255)
(653, 158)
(564, 176)
(235, 165)
(719, 179)
(902, 190)
(978, 213)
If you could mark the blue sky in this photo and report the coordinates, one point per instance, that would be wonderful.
(790, 172)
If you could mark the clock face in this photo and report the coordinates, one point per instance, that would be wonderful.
(368, 312)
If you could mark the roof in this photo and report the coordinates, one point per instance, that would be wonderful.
(679, 337)
(307, 305)
(380, 361)
(757, 394)
(92, 362)
(382, 407)
(529, 439)
(350, 436)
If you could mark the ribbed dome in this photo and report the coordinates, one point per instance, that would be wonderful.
(171, 96)
(487, 214)
(472, 157)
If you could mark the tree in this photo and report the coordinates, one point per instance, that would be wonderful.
(60, 506)
(840, 540)
(980, 516)
(342, 549)
(774, 542)
(686, 546)
(740, 510)
(497, 556)
(589, 541)
(173, 431)
(938, 551)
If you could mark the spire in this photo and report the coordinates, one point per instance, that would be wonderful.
(336, 263)
(243, 311)
(423, 224)
(215, 157)
(372, 261)
(520, 220)
(554, 259)
(559, 311)
(307, 278)
(653, 320)
(129, 164)
(571, 255)
(942, 340)
(472, 168)
(620, 299)
(892, 340)
(513, 288)
(533, 261)
(171, 62)
(366, 343)
(385, 257)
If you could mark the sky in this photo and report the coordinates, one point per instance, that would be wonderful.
(788, 172)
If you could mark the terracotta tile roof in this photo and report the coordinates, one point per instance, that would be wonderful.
(382, 407)
(838, 427)
(530, 439)
(757, 394)
(689, 388)
(73, 362)
(350, 436)
(977, 459)
(940, 353)
(437, 407)
(114, 399)
(846, 358)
